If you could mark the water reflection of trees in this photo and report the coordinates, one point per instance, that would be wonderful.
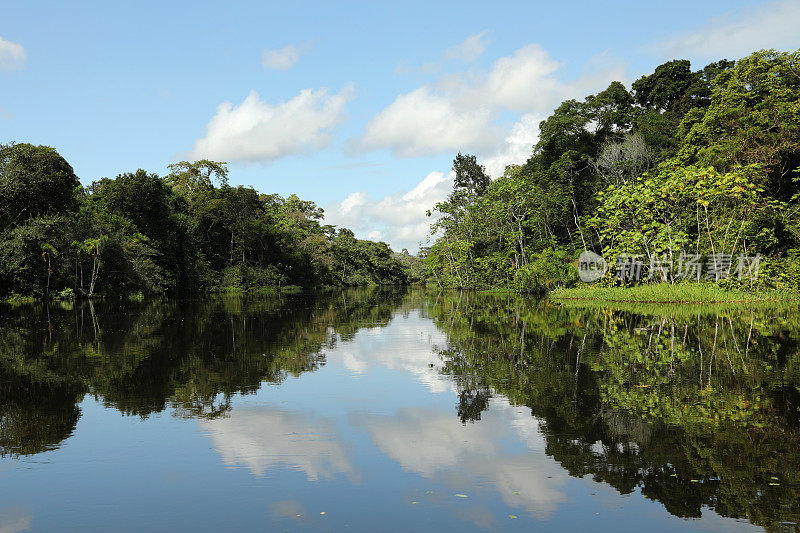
(694, 407)
(141, 358)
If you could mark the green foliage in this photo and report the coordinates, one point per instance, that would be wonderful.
(684, 293)
(700, 163)
(753, 118)
(548, 270)
(143, 234)
(680, 210)
(469, 174)
(34, 181)
(22, 249)
(413, 266)
(694, 411)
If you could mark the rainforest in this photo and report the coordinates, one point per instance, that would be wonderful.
(701, 162)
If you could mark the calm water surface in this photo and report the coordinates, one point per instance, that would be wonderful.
(397, 410)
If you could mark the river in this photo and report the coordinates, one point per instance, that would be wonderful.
(398, 409)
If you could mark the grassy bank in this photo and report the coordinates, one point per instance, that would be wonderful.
(694, 293)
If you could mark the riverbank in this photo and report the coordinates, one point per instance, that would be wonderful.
(662, 293)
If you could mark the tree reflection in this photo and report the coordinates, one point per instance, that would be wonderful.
(141, 358)
(694, 407)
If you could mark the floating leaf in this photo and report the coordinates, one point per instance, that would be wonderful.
(462, 495)
(512, 516)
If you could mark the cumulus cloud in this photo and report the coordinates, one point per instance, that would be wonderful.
(464, 112)
(524, 81)
(283, 58)
(426, 121)
(461, 112)
(399, 219)
(469, 50)
(12, 55)
(735, 34)
(259, 131)
(517, 145)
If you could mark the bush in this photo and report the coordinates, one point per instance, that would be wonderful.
(547, 270)
(66, 294)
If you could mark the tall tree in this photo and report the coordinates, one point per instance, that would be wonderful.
(470, 175)
(34, 181)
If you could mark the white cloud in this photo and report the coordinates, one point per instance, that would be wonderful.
(12, 55)
(259, 131)
(517, 146)
(462, 112)
(470, 50)
(399, 218)
(426, 121)
(283, 58)
(467, 51)
(736, 34)
(524, 81)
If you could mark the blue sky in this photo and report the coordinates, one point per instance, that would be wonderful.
(358, 106)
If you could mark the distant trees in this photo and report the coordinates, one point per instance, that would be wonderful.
(186, 232)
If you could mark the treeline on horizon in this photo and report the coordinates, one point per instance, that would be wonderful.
(180, 234)
(687, 162)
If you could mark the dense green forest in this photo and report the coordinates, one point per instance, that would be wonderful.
(687, 165)
(699, 164)
(186, 232)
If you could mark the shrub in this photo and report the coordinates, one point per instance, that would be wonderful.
(545, 271)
